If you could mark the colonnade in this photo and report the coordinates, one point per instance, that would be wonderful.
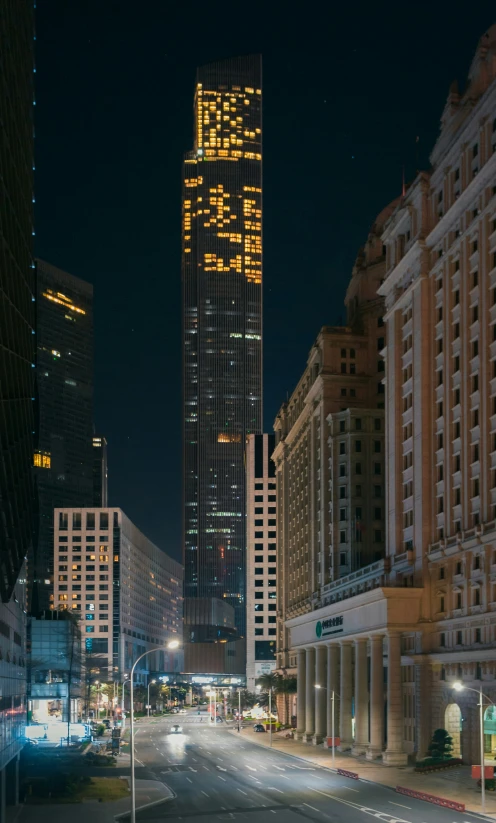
(333, 666)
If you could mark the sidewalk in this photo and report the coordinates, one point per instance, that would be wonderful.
(453, 784)
(148, 792)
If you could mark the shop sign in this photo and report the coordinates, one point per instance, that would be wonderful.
(329, 626)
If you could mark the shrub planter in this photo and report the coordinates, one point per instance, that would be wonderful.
(440, 766)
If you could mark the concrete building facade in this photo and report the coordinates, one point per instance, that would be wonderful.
(261, 580)
(393, 637)
(127, 592)
(329, 454)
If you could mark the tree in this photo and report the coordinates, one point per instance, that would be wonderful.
(441, 745)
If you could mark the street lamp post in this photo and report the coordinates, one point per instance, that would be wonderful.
(148, 701)
(239, 709)
(270, 717)
(318, 686)
(172, 645)
(459, 687)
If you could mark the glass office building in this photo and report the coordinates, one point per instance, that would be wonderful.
(64, 452)
(222, 324)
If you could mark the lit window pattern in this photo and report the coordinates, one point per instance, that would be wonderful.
(42, 460)
(58, 297)
(222, 321)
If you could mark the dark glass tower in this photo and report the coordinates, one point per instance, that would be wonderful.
(17, 289)
(222, 324)
(64, 454)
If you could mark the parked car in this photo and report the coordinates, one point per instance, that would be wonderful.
(258, 727)
(182, 711)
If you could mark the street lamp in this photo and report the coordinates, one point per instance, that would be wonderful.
(239, 709)
(148, 701)
(173, 644)
(460, 687)
(318, 686)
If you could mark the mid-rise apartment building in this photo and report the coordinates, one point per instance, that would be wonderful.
(127, 592)
(261, 545)
(393, 637)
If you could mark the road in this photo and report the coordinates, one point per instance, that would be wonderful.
(217, 775)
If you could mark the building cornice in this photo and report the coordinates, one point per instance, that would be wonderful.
(363, 599)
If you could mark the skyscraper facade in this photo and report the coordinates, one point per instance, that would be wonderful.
(64, 453)
(17, 358)
(100, 472)
(261, 591)
(17, 289)
(222, 324)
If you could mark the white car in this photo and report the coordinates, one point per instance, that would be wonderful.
(176, 729)
(182, 711)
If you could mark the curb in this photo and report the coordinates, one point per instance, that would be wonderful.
(476, 814)
(172, 796)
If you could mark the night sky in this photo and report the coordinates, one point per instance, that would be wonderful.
(347, 89)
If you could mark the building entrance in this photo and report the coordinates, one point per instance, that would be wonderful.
(453, 725)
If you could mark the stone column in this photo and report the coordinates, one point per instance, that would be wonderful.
(376, 698)
(423, 708)
(394, 754)
(333, 686)
(310, 696)
(361, 743)
(300, 694)
(320, 694)
(345, 690)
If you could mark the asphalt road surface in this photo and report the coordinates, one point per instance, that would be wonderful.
(217, 775)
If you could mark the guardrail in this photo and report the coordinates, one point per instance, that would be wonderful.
(346, 773)
(431, 798)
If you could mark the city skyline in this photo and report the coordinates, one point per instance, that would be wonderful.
(222, 324)
(364, 131)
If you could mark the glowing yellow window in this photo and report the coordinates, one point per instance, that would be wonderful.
(104, 558)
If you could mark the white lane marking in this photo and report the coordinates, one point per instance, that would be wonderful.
(311, 807)
(194, 759)
(234, 767)
(254, 778)
(189, 780)
(273, 789)
(221, 778)
(206, 795)
(283, 776)
(353, 790)
(222, 769)
(250, 767)
(220, 758)
(318, 778)
(385, 816)
(281, 769)
(400, 805)
(242, 792)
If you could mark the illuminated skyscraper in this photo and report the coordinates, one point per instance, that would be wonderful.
(222, 324)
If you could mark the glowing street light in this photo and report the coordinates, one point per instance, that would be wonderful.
(460, 687)
(173, 644)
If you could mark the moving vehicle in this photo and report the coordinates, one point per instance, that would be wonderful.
(182, 711)
(258, 727)
(176, 729)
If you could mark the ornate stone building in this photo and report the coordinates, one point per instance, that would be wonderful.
(425, 616)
